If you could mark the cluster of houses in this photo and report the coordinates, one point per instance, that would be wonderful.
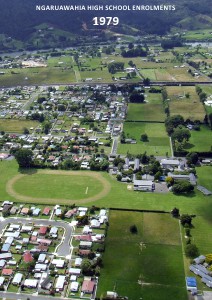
(27, 254)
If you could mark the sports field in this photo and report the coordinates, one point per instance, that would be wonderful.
(158, 143)
(151, 262)
(57, 186)
(117, 193)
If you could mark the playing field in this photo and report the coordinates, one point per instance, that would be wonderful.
(56, 186)
(158, 143)
(114, 194)
(151, 262)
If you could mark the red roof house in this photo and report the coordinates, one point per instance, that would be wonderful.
(46, 211)
(43, 230)
(27, 257)
(7, 272)
(88, 286)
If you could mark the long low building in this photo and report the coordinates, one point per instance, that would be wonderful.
(143, 185)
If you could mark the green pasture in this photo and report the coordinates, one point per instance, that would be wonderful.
(16, 126)
(142, 263)
(200, 141)
(56, 187)
(36, 76)
(204, 176)
(145, 112)
(190, 108)
(194, 35)
(158, 143)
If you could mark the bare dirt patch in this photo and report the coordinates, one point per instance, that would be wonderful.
(106, 188)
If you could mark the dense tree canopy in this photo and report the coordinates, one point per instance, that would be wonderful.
(173, 122)
(182, 187)
(24, 158)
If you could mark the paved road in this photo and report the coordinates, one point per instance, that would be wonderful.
(21, 296)
(114, 146)
(64, 247)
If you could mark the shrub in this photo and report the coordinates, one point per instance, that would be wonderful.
(191, 251)
(133, 229)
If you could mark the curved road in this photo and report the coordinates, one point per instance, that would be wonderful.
(63, 249)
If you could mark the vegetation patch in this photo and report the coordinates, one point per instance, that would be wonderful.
(142, 265)
(158, 141)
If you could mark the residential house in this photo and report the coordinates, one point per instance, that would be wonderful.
(88, 287)
(60, 282)
(2, 279)
(27, 257)
(17, 279)
(74, 286)
(43, 230)
(46, 211)
(31, 283)
(24, 211)
(7, 272)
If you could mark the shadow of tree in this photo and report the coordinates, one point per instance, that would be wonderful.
(27, 171)
(188, 146)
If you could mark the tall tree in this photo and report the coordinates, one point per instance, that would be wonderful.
(24, 158)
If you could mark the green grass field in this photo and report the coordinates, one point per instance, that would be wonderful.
(190, 108)
(8, 125)
(200, 140)
(56, 187)
(145, 269)
(158, 143)
(145, 112)
(36, 76)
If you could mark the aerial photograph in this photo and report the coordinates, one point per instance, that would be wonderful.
(105, 150)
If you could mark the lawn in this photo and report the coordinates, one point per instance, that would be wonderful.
(204, 176)
(16, 126)
(200, 141)
(56, 187)
(148, 270)
(190, 108)
(158, 143)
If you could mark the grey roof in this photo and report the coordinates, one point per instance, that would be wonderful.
(205, 191)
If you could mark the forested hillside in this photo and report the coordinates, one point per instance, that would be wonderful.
(19, 19)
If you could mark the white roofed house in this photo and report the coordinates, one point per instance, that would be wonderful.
(17, 279)
(74, 286)
(60, 282)
(31, 283)
(2, 279)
